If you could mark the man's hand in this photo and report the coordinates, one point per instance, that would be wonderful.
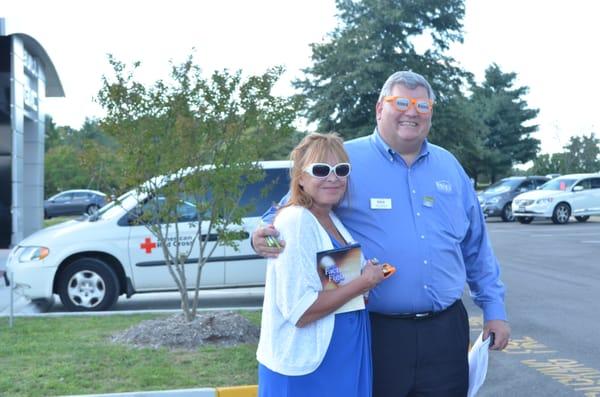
(501, 330)
(261, 245)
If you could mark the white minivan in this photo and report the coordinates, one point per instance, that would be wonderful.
(91, 261)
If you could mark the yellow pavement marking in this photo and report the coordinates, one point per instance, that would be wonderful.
(237, 391)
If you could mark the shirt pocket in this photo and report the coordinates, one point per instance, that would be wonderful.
(447, 214)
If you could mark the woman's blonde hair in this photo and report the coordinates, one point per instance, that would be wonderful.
(314, 148)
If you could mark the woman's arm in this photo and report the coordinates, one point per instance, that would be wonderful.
(330, 300)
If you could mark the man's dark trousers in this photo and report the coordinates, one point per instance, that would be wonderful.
(422, 356)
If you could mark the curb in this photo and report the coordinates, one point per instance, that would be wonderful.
(235, 391)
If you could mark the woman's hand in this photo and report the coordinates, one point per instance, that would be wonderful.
(372, 274)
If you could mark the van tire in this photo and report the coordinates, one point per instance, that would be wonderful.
(88, 284)
(507, 214)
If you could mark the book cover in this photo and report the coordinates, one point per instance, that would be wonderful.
(338, 267)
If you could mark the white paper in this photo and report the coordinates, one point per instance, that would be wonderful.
(478, 363)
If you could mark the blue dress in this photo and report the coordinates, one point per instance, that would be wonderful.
(345, 371)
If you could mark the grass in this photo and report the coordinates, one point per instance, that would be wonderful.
(50, 356)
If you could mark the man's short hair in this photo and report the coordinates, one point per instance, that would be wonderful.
(408, 79)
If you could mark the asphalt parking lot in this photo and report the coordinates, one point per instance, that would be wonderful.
(552, 275)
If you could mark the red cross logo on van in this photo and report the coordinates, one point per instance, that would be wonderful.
(148, 245)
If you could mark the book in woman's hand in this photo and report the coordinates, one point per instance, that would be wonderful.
(338, 267)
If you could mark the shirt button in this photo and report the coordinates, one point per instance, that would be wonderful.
(422, 237)
(418, 214)
(426, 287)
(414, 191)
(425, 261)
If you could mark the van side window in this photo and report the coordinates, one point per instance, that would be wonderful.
(585, 183)
(261, 195)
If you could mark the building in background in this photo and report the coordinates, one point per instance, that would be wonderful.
(27, 76)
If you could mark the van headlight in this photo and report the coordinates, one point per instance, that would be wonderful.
(29, 254)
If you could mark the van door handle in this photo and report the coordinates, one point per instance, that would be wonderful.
(210, 237)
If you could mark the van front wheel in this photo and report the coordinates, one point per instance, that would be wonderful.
(88, 284)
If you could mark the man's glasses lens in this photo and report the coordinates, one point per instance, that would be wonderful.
(423, 107)
(402, 104)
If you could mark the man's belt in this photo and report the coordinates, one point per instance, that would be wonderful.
(415, 316)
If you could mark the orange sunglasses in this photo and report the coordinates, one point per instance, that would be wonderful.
(402, 104)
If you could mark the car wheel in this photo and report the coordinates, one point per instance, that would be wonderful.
(561, 214)
(507, 214)
(46, 216)
(582, 218)
(88, 284)
(91, 209)
(525, 220)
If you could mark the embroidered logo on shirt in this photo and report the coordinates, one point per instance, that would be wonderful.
(443, 186)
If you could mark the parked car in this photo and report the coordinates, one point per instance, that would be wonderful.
(74, 202)
(89, 262)
(497, 199)
(575, 195)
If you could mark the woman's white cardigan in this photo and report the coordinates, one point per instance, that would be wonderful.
(291, 287)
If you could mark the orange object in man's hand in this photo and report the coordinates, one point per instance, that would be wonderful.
(388, 270)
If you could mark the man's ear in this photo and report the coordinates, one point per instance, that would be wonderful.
(378, 109)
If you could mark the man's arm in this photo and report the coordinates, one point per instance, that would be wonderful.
(260, 244)
(483, 273)
(264, 235)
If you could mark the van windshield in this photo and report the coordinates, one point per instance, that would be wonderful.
(126, 201)
(503, 186)
(558, 184)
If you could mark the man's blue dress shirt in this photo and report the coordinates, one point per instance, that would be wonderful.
(425, 220)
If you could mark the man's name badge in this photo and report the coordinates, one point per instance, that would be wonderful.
(381, 204)
(428, 201)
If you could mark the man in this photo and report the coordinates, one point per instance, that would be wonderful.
(411, 204)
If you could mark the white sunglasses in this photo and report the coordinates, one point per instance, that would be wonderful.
(323, 170)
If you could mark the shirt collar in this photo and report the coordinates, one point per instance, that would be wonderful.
(390, 153)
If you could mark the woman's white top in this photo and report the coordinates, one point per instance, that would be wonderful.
(291, 287)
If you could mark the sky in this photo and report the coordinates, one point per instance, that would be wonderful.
(548, 44)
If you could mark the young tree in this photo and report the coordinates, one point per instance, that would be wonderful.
(193, 141)
(374, 39)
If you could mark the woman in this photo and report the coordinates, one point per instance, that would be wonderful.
(305, 349)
